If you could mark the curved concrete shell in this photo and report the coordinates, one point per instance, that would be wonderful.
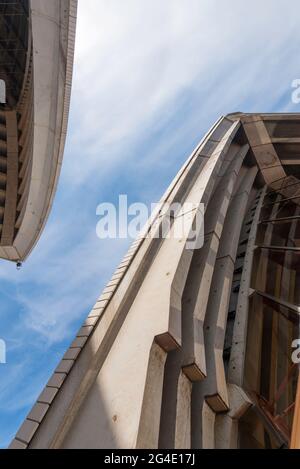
(37, 49)
(192, 348)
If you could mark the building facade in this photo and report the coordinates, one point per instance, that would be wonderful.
(193, 348)
(37, 48)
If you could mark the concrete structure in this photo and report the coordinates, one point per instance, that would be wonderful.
(37, 48)
(192, 348)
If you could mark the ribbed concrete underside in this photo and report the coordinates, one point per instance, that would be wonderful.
(172, 354)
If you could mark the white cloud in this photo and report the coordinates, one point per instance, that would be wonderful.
(135, 58)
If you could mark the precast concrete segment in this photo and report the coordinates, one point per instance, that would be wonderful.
(195, 298)
(213, 390)
(198, 284)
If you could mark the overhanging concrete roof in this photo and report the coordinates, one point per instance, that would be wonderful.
(34, 129)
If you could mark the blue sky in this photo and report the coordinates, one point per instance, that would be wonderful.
(150, 78)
